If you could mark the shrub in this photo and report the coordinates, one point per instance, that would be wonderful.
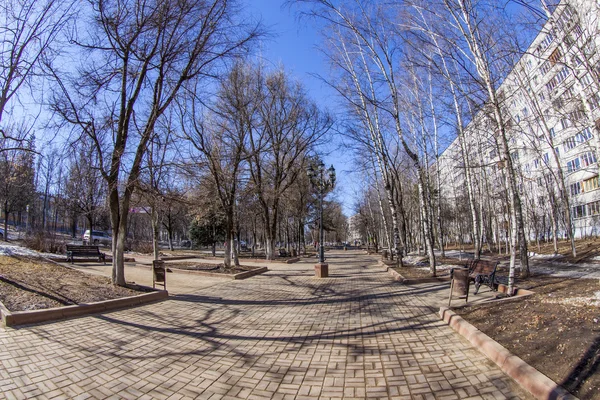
(45, 242)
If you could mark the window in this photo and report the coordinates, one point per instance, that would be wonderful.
(562, 75)
(575, 188)
(554, 56)
(557, 151)
(577, 115)
(552, 133)
(569, 40)
(568, 93)
(594, 101)
(536, 163)
(594, 208)
(565, 123)
(514, 155)
(590, 184)
(545, 43)
(546, 158)
(546, 66)
(583, 136)
(586, 80)
(588, 159)
(569, 144)
(589, 48)
(579, 211)
(574, 165)
(542, 96)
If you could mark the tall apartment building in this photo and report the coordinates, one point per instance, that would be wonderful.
(551, 105)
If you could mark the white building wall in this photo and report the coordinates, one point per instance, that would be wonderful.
(541, 95)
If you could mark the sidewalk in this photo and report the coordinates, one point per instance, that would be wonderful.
(281, 335)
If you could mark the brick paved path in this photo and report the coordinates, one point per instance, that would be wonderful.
(283, 335)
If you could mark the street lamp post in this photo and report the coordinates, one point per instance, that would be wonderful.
(322, 180)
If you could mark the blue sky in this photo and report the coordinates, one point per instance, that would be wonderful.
(294, 45)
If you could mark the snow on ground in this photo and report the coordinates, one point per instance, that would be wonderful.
(456, 254)
(578, 301)
(536, 256)
(16, 250)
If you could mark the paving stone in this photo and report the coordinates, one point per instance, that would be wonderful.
(281, 335)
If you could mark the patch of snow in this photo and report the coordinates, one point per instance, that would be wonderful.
(413, 259)
(457, 254)
(547, 256)
(15, 250)
(576, 301)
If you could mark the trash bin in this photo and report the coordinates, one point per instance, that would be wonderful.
(459, 284)
(159, 274)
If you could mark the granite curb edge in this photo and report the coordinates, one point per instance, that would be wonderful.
(530, 379)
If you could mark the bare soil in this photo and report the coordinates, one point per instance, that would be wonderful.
(587, 249)
(213, 268)
(557, 330)
(421, 270)
(31, 284)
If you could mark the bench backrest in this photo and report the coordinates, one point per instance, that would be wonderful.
(83, 249)
(482, 267)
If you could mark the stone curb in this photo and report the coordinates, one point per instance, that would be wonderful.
(399, 278)
(245, 259)
(241, 275)
(52, 314)
(536, 383)
(176, 258)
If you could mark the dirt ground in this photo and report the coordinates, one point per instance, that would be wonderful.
(30, 284)
(213, 268)
(557, 330)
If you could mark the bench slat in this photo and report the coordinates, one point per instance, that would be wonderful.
(84, 251)
(482, 272)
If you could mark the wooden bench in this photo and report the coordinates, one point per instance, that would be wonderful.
(84, 251)
(483, 272)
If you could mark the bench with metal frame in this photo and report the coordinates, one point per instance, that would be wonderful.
(483, 272)
(85, 252)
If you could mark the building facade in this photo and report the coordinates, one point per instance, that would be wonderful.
(551, 109)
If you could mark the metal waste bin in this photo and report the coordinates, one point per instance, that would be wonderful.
(159, 274)
(459, 284)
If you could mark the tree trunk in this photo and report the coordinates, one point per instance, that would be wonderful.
(155, 233)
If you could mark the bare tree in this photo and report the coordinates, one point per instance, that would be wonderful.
(376, 50)
(28, 31)
(220, 136)
(288, 125)
(140, 56)
(466, 19)
(17, 182)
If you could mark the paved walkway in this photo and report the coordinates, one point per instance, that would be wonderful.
(281, 335)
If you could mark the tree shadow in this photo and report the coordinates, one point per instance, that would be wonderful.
(585, 368)
(61, 300)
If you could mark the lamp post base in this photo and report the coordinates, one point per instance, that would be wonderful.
(321, 270)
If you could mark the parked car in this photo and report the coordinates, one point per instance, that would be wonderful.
(2, 233)
(98, 237)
